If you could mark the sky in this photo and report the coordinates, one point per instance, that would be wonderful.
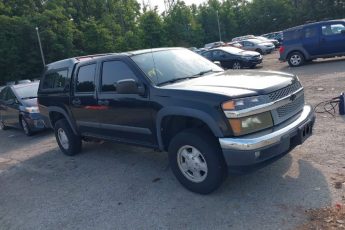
(161, 6)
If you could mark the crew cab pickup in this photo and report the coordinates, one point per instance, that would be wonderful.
(210, 121)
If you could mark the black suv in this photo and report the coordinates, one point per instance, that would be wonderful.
(315, 40)
(210, 121)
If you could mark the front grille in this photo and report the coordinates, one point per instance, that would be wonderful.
(291, 108)
(276, 95)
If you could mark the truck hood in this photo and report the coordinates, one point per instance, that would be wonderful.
(236, 83)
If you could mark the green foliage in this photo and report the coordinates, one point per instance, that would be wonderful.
(72, 27)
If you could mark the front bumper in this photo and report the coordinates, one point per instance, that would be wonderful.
(259, 148)
(35, 121)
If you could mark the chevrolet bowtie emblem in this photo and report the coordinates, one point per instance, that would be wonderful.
(293, 97)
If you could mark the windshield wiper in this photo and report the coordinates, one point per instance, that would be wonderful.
(186, 78)
(32, 97)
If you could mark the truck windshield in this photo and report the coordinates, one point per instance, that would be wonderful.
(167, 66)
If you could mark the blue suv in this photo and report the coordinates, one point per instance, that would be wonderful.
(315, 40)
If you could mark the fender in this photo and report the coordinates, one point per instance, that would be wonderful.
(67, 117)
(298, 49)
(187, 112)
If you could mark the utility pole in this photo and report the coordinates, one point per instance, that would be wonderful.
(220, 36)
(39, 42)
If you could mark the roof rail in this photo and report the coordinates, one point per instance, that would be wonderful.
(92, 56)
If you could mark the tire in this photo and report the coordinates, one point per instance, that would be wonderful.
(259, 51)
(69, 143)
(237, 65)
(296, 59)
(2, 126)
(207, 163)
(25, 127)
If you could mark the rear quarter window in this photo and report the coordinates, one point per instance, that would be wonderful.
(293, 35)
(55, 80)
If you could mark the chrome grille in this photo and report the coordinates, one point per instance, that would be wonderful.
(276, 95)
(286, 111)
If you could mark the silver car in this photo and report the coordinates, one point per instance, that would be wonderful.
(257, 45)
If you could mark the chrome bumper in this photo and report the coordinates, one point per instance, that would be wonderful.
(264, 139)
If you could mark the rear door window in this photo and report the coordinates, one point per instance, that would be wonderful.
(86, 79)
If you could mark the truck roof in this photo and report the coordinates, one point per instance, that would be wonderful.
(72, 61)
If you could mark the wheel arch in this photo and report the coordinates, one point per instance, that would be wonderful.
(57, 113)
(181, 114)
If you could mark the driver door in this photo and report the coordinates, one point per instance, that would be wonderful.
(126, 117)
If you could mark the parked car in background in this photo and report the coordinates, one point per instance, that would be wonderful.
(314, 40)
(275, 35)
(275, 42)
(18, 108)
(233, 58)
(213, 45)
(241, 38)
(257, 45)
(234, 44)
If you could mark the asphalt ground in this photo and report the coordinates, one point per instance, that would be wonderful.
(115, 186)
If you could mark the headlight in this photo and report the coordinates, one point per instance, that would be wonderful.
(244, 103)
(32, 109)
(250, 124)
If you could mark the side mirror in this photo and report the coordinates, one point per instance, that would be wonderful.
(217, 63)
(129, 86)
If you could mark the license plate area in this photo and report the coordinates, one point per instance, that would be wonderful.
(305, 131)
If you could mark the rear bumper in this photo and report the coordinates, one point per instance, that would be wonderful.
(260, 148)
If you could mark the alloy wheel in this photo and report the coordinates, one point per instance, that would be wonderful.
(192, 163)
(63, 139)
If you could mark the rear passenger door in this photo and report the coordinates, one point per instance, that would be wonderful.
(332, 38)
(83, 101)
(127, 117)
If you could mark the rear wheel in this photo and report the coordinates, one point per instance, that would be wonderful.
(237, 65)
(296, 59)
(197, 164)
(69, 143)
(2, 126)
(25, 127)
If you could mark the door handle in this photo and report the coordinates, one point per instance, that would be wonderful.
(76, 101)
(103, 102)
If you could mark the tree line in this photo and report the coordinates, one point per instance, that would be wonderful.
(72, 27)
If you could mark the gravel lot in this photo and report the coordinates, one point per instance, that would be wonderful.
(114, 186)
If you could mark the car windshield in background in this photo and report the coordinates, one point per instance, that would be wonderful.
(173, 65)
(27, 91)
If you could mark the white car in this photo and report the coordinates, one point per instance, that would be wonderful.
(257, 45)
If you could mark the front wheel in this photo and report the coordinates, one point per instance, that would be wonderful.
(196, 161)
(237, 65)
(26, 127)
(69, 143)
(296, 59)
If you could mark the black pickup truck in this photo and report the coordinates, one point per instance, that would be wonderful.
(210, 121)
